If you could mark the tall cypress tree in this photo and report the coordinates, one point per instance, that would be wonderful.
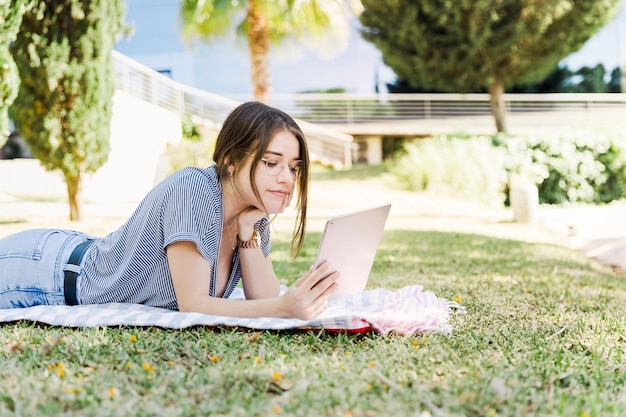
(11, 13)
(64, 106)
(466, 45)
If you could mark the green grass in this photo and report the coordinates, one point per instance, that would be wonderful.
(358, 172)
(36, 198)
(543, 334)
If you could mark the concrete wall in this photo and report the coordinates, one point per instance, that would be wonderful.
(140, 133)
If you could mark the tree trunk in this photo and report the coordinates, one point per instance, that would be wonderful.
(498, 107)
(73, 196)
(259, 46)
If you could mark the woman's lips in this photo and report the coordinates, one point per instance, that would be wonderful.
(279, 193)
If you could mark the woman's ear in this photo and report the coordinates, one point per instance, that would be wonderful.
(230, 167)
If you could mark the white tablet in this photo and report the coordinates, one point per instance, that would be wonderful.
(349, 243)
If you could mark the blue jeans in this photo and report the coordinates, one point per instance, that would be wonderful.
(32, 264)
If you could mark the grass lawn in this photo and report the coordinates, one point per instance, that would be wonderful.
(543, 334)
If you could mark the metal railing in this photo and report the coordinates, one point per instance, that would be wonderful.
(358, 108)
(427, 114)
(327, 118)
(325, 145)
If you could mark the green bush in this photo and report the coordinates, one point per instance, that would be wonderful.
(585, 167)
(455, 166)
(614, 160)
(197, 153)
(195, 148)
(189, 128)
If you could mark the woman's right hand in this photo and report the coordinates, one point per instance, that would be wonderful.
(307, 298)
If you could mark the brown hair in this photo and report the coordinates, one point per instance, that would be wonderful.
(247, 131)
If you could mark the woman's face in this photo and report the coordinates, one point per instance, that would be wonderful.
(275, 175)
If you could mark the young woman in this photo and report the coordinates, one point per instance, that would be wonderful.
(191, 240)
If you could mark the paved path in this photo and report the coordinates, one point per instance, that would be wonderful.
(599, 231)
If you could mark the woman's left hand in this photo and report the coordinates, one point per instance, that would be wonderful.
(308, 297)
(246, 221)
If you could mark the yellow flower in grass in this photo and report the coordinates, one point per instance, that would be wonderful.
(59, 367)
(258, 360)
(112, 392)
(147, 367)
(214, 358)
(457, 299)
(132, 338)
(70, 390)
(277, 376)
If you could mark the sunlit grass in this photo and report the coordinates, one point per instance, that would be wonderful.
(32, 198)
(543, 334)
(358, 172)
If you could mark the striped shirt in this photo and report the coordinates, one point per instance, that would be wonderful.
(130, 264)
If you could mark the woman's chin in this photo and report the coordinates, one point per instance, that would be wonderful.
(276, 208)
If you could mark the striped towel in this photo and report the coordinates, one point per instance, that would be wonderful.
(409, 310)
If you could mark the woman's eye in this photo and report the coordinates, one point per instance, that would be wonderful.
(271, 164)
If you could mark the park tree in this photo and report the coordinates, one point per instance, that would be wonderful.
(465, 45)
(263, 23)
(557, 81)
(11, 13)
(64, 105)
(615, 83)
(592, 80)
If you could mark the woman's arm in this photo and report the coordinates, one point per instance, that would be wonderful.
(257, 272)
(191, 278)
(258, 277)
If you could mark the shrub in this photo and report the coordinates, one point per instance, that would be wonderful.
(195, 148)
(614, 160)
(582, 167)
(454, 166)
(189, 128)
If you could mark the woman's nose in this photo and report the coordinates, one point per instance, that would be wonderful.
(285, 175)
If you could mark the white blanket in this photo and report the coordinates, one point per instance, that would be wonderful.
(406, 311)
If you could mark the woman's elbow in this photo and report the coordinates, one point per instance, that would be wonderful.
(186, 305)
